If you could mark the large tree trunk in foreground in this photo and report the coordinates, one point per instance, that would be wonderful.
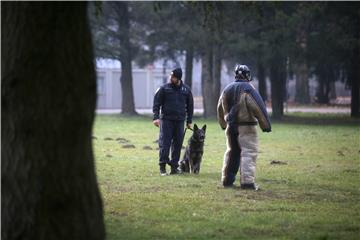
(49, 186)
(126, 80)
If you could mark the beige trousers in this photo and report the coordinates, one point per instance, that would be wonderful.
(240, 155)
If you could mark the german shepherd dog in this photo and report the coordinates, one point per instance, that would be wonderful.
(194, 151)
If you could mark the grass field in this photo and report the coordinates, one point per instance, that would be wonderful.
(316, 195)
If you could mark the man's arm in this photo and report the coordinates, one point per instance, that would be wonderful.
(220, 112)
(158, 101)
(259, 110)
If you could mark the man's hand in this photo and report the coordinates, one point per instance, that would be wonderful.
(156, 122)
(189, 125)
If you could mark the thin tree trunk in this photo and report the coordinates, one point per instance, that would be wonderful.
(189, 66)
(324, 79)
(126, 80)
(206, 80)
(262, 81)
(165, 77)
(302, 94)
(210, 84)
(49, 186)
(128, 104)
(302, 84)
(216, 76)
(332, 93)
(355, 82)
(277, 79)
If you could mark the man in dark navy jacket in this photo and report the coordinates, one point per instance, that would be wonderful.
(176, 103)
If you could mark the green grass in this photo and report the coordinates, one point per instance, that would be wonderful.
(315, 196)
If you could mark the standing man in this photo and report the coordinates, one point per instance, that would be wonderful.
(240, 107)
(176, 103)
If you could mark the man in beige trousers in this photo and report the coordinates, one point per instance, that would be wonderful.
(240, 108)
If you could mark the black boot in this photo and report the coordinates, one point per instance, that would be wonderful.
(175, 170)
(250, 186)
(163, 170)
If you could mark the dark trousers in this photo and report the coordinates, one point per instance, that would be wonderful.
(171, 135)
(232, 156)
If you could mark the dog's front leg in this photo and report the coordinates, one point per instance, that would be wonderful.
(191, 163)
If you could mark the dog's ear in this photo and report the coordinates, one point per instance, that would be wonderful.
(204, 128)
(195, 127)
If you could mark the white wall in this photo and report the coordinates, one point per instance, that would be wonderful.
(145, 83)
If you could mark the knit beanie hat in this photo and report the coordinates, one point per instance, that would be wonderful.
(177, 73)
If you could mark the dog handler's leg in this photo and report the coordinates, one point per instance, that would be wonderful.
(249, 145)
(231, 157)
(166, 130)
(178, 133)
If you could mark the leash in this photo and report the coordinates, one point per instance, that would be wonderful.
(186, 128)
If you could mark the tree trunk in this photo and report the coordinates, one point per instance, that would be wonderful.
(126, 80)
(278, 80)
(355, 81)
(302, 94)
(262, 81)
(49, 185)
(332, 93)
(302, 84)
(217, 75)
(165, 76)
(189, 66)
(206, 81)
(210, 80)
(323, 89)
(128, 104)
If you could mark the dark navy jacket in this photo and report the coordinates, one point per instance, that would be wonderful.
(175, 102)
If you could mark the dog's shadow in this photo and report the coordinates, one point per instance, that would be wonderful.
(204, 175)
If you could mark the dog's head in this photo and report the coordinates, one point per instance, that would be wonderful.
(199, 133)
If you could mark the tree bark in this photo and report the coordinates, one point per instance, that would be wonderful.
(323, 89)
(332, 93)
(217, 74)
(302, 94)
(302, 84)
(126, 80)
(210, 80)
(189, 66)
(206, 81)
(355, 81)
(262, 81)
(49, 185)
(278, 80)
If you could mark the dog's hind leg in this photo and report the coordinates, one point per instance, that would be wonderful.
(184, 164)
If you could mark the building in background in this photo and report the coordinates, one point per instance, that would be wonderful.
(147, 80)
